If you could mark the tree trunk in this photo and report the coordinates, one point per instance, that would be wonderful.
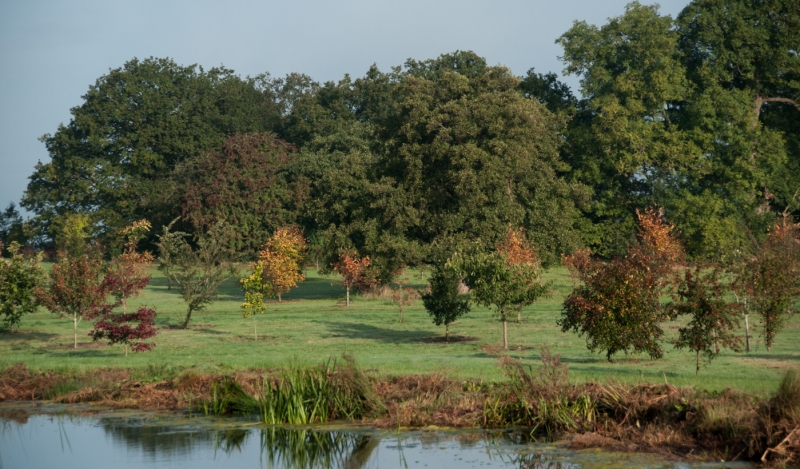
(505, 328)
(447, 333)
(746, 333)
(188, 316)
(75, 329)
(347, 301)
(126, 350)
(519, 313)
(401, 312)
(279, 298)
(697, 370)
(124, 306)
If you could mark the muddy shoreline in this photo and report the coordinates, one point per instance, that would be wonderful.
(677, 423)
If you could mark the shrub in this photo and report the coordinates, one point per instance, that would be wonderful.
(117, 329)
(19, 278)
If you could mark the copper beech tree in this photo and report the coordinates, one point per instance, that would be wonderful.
(125, 278)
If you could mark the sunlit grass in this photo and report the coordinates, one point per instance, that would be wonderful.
(310, 326)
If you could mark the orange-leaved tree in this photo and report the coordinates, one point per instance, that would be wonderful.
(518, 251)
(282, 260)
(617, 305)
(354, 272)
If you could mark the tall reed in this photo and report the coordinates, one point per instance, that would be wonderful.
(334, 390)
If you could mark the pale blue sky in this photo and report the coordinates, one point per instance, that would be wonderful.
(52, 50)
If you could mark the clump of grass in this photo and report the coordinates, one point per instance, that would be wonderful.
(786, 403)
(63, 387)
(543, 401)
(156, 372)
(228, 397)
(730, 418)
(334, 390)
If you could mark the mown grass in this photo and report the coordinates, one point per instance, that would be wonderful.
(310, 326)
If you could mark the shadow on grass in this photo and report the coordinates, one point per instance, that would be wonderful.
(769, 356)
(316, 288)
(26, 336)
(353, 330)
(94, 352)
(228, 291)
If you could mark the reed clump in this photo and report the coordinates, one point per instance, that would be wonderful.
(334, 390)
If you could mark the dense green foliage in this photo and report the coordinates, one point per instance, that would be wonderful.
(443, 302)
(498, 283)
(19, 278)
(447, 162)
(697, 115)
(11, 227)
(113, 159)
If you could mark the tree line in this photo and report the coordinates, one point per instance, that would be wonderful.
(695, 114)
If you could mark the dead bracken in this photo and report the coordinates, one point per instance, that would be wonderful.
(661, 418)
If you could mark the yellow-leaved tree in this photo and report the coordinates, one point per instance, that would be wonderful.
(282, 261)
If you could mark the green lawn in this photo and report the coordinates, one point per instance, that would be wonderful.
(310, 326)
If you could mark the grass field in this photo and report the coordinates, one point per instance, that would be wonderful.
(311, 325)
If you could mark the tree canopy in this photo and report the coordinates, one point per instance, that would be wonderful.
(696, 114)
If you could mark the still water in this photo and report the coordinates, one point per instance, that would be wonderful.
(66, 438)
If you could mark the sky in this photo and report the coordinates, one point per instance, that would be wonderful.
(51, 51)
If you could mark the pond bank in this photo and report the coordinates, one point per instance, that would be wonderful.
(663, 419)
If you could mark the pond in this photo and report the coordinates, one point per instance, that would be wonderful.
(66, 437)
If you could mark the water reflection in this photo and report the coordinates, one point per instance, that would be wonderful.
(154, 441)
(308, 449)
